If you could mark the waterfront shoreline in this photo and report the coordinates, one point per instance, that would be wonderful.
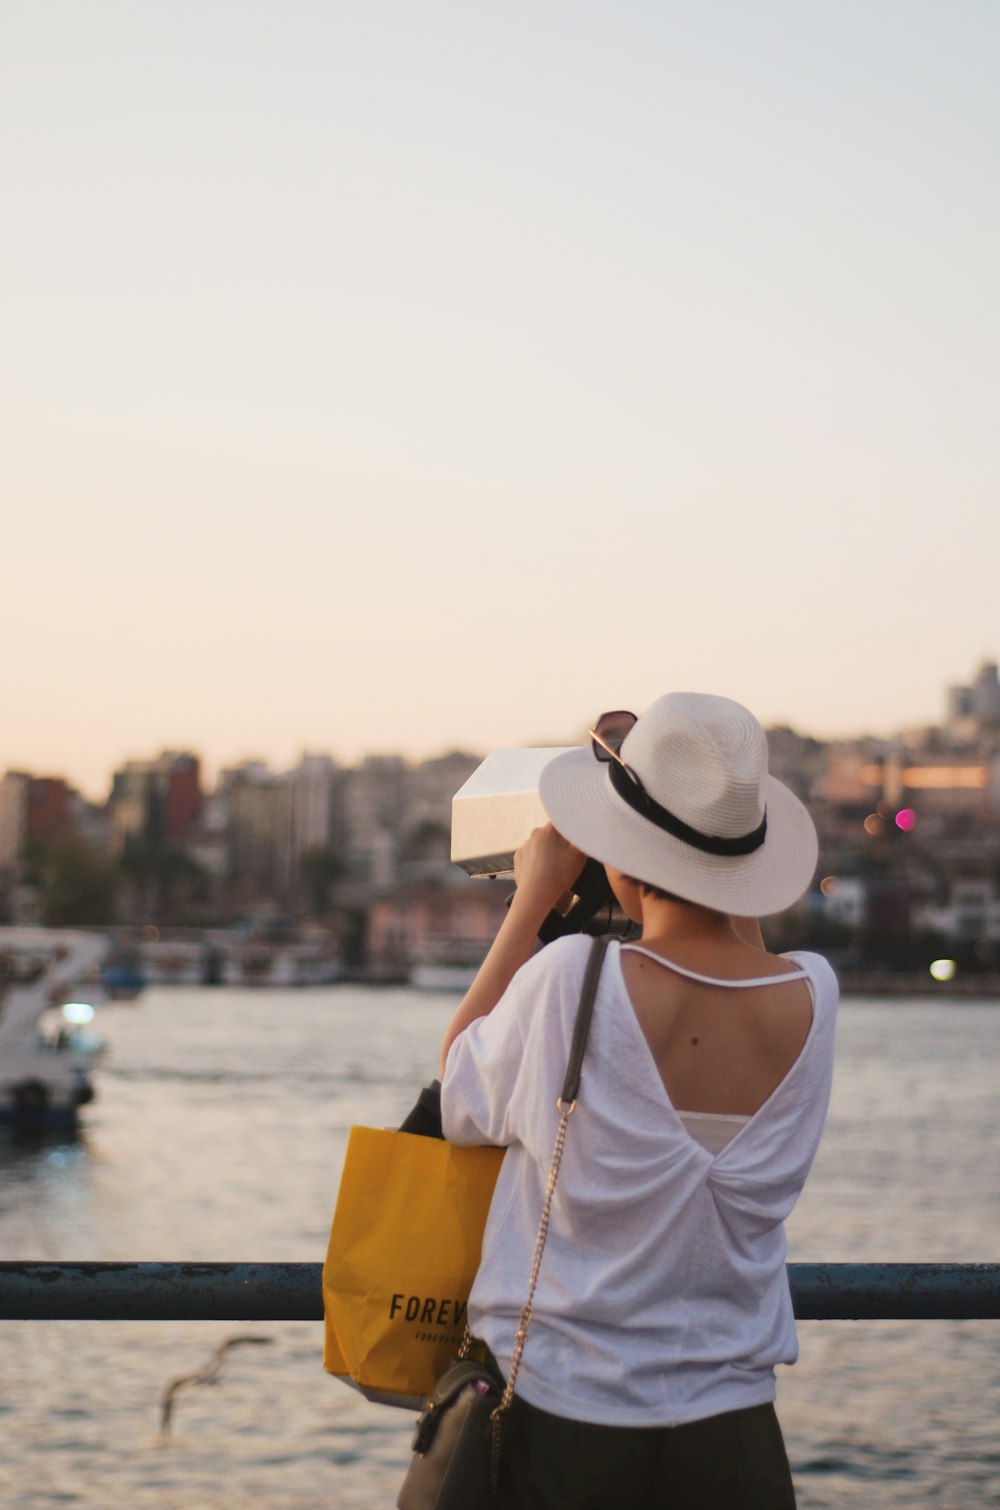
(883, 983)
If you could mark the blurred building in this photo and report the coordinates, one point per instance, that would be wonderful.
(851, 774)
(33, 810)
(971, 913)
(50, 810)
(797, 760)
(444, 925)
(424, 848)
(974, 709)
(316, 813)
(51, 841)
(183, 799)
(844, 900)
(374, 804)
(155, 803)
(255, 807)
(13, 818)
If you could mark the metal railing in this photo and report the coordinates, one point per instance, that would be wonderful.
(292, 1292)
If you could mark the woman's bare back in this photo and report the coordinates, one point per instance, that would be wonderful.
(719, 1049)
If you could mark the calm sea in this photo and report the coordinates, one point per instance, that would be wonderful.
(218, 1135)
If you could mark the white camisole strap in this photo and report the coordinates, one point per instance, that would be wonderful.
(713, 980)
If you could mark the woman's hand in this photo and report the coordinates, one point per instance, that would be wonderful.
(545, 868)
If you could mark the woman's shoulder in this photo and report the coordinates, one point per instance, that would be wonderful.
(818, 969)
(571, 952)
(560, 965)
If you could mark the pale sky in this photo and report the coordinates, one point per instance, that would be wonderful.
(391, 377)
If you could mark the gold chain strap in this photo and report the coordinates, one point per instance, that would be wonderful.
(520, 1336)
(536, 1263)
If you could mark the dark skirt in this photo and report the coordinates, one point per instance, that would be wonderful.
(732, 1461)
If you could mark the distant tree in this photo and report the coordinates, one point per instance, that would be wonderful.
(321, 869)
(165, 881)
(78, 886)
(430, 841)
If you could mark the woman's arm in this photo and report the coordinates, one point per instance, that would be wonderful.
(545, 868)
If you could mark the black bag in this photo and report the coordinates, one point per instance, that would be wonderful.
(454, 1461)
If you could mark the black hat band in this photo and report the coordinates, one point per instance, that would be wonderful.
(647, 807)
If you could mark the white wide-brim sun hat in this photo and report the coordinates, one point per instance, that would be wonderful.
(719, 831)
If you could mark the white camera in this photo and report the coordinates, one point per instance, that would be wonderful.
(497, 808)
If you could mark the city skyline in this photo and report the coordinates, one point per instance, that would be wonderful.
(211, 770)
(390, 379)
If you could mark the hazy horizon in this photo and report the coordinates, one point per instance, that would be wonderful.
(97, 789)
(391, 379)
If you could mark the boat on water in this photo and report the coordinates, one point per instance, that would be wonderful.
(123, 980)
(177, 962)
(259, 964)
(441, 963)
(50, 981)
(221, 957)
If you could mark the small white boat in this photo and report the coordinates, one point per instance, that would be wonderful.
(180, 962)
(50, 980)
(256, 962)
(226, 957)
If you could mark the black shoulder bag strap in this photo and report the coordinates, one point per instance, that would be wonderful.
(584, 1012)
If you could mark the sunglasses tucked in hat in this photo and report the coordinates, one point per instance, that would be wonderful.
(684, 802)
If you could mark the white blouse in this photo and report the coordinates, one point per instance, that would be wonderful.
(663, 1295)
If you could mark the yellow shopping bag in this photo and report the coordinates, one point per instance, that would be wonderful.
(404, 1250)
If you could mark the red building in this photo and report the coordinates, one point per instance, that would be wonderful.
(183, 801)
(49, 810)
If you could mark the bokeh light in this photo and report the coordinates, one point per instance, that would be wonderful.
(943, 969)
(906, 819)
(873, 825)
(828, 885)
(78, 1012)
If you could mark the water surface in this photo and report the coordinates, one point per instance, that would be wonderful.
(218, 1135)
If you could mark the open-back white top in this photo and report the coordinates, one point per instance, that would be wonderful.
(663, 1295)
(713, 1130)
